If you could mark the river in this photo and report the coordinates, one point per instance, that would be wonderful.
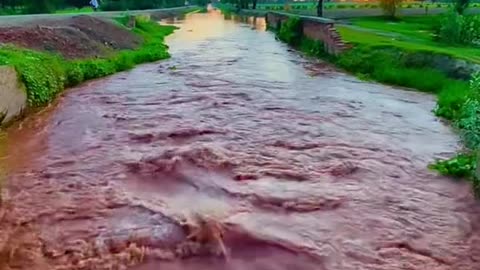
(302, 165)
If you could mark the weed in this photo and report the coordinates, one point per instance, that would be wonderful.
(460, 166)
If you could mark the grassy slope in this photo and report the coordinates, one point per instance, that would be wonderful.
(46, 75)
(410, 33)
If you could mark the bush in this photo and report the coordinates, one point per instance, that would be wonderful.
(312, 47)
(75, 74)
(463, 165)
(461, 5)
(451, 99)
(291, 31)
(40, 6)
(460, 29)
(111, 5)
(469, 118)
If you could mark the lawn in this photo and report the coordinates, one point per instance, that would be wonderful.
(408, 33)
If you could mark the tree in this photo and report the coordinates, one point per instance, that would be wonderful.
(254, 4)
(76, 3)
(461, 5)
(320, 8)
(40, 6)
(390, 7)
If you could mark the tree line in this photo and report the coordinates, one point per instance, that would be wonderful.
(246, 4)
(48, 6)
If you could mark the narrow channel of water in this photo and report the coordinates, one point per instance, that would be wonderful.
(305, 166)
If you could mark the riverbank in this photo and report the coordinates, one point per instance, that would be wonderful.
(52, 55)
(279, 150)
(413, 63)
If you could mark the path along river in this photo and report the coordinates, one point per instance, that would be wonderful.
(305, 166)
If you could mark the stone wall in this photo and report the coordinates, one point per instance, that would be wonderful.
(315, 28)
(13, 98)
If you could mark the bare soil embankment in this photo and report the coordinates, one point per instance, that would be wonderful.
(75, 37)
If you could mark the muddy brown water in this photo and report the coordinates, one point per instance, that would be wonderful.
(307, 167)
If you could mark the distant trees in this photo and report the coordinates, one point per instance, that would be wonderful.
(46, 6)
(243, 4)
(461, 5)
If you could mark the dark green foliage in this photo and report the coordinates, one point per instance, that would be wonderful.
(459, 29)
(469, 117)
(291, 31)
(45, 75)
(463, 165)
(49, 6)
(451, 99)
(312, 47)
(75, 74)
(467, 120)
(461, 5)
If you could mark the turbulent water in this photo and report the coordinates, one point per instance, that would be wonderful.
(304, 166)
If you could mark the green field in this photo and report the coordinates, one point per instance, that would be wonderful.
(408, 33)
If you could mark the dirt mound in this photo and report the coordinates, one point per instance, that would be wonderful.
(105, 32)
(75, 37)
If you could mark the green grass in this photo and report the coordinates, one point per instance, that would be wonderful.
(387, 35)
(45, 75)
(75, 10)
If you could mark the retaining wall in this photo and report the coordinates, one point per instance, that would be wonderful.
(316, 28)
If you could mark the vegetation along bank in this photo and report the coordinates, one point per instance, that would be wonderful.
(49, 56)
(435, 54)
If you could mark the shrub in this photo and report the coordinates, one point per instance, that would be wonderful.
(312, 47)
(460, 29)
(461, 5)
(74, 74)
(291, 31)
(462, 165)
(467, 119)
(40, 6)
